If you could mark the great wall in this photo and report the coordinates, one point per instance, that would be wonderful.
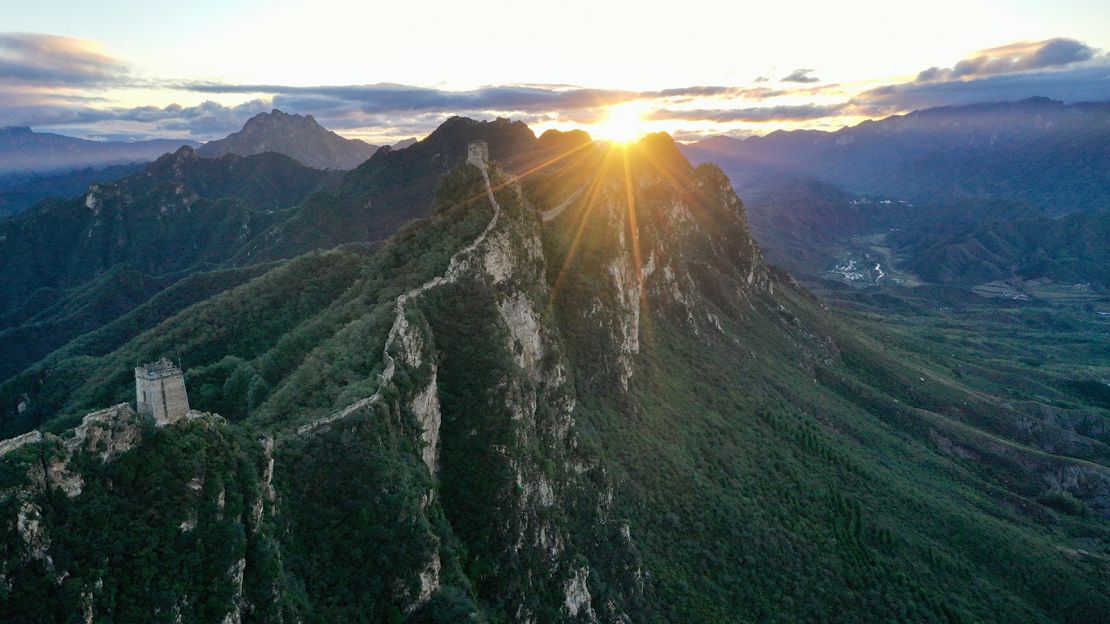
(478, 156)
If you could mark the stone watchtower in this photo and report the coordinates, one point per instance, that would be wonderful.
(160, 391)
(477, 154)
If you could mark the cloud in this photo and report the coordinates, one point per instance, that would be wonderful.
(388, 98)
(758, 114)
(800, 75)
(1015, 57)
(205, 120)
(61, 83)
(1088, 83)
(38, 60)
(1062, 69)
(385, 97)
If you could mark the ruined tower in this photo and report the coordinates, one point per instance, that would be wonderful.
(477, 154)
(160, 391)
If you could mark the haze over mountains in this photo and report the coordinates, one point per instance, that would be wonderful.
(23, 150)
(20, 191)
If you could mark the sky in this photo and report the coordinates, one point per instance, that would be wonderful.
(116, 69)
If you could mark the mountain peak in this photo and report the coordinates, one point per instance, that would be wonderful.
(281, 118)
(297, 136)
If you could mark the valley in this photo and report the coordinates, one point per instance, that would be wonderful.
(868, 261)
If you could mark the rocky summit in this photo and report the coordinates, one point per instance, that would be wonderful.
(296, 136)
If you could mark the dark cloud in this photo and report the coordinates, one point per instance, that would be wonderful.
(37, 60)
(758, 114)
(801, 76)
(1078, 84)
(389, 98)
(933, 74)
(1014, 58)
(205, 120)
(384, 98)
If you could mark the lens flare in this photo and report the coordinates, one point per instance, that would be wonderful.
(623, 123)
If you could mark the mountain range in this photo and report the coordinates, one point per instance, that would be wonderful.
(47, 165)
(1041, 152)
(560, 386)
(23, 150)
(958, 195)
(73, 265)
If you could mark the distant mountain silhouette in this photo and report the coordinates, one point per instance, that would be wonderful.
(299, 137)
(1048, 154)
(20, 191)
(23, 150)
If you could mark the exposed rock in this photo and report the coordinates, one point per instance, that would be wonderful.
(266, 492)
(11, 444)
(629, 291)
(235, 576)
(29, 524)
(578, 595)
(92, 201)
(107, 433)
(519, 315)
(425, 407)
(429, 580)
(1090, 484)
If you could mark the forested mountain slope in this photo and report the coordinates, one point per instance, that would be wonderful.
(577, 393)
(69, 266)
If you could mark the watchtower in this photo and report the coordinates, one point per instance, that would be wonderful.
(160, 391)
(477, 154)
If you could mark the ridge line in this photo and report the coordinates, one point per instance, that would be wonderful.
(450, 275)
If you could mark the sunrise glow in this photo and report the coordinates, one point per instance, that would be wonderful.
(622, 123)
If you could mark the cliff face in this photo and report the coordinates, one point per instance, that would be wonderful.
(573, 395)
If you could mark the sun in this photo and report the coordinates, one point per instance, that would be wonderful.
(623, 123)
